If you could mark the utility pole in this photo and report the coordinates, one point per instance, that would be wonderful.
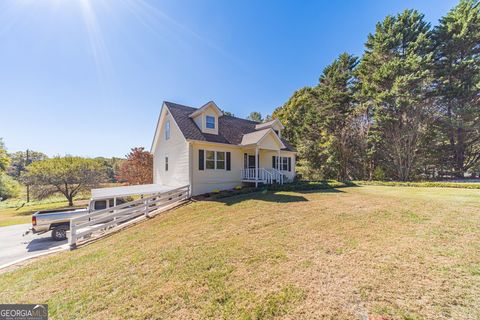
(27, 162)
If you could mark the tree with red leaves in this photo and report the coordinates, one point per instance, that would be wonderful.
(138, 168)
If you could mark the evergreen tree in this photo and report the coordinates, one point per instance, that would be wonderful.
(255, 116)
(457, 70)
(395, 80)
(299, 115)
(335, 94)
(292, 113)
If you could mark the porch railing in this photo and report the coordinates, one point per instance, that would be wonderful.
(265, 175)
(277, 175)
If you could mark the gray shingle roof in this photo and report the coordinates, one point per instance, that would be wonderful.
(230, 129)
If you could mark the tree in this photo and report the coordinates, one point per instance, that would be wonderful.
(138, 168)
(9, 188)
(291, 114)
(457, 61)
(63, 175)
(318, 122)
(255, 116)
(111, 165)
(228, 113)
(300, 118)
(19, 161)
(336, 96)
(4, 159)
(395, 80)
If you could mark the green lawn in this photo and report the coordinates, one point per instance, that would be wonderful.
(383, 252)
(17, 211)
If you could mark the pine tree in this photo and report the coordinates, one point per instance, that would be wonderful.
(335, 93)
(395, 79)
(457, 69)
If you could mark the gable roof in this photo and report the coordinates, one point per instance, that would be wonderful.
(206, 106)
(269, 124)
(230, 129)
(258, 136)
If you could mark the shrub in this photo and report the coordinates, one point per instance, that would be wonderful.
(9, 188)
(430, 184)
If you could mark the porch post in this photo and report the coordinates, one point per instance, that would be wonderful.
(256, 166)
(278, 160)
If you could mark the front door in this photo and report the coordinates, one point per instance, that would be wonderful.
(251, 162)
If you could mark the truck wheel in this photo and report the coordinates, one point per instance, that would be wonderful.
(59, 233)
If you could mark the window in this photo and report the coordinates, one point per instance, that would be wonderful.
(100, 204)
(210, 160)
(284, 166)
(220, 160)
(167, 130)
(215, 160)
(210, 122)
(166, 163)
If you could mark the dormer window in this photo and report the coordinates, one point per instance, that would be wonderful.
(210, 122)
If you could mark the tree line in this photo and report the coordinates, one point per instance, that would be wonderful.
(69, 175)
(408, 109)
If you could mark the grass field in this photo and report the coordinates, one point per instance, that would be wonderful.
(18, 210)
(382, 252)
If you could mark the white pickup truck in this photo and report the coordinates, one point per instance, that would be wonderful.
(58, 221)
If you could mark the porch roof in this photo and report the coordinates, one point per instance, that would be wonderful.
(255, 138)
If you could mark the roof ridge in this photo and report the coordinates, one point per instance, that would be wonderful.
(234, 117)
(225, 115)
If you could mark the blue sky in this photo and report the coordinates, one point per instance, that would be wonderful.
(87, 77)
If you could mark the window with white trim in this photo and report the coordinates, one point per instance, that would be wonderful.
(284, 164)
(210, 159)
(220, 160)
(215, 160)
(167, 130)
(166, 163)
(210, 122)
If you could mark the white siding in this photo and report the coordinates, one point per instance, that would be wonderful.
(176, 148)
(207, 180)
(201, 120)
(270, 141)
(266, 161)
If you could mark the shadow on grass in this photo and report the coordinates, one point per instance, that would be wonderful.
(271, 196)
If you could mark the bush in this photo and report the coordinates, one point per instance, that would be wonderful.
(9, 188)
(428, 184)
(310, 185)
(294, 186)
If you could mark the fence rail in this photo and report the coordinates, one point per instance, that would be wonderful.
(101, 220)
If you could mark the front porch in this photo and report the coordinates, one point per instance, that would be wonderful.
(262, 158)
(262, 175)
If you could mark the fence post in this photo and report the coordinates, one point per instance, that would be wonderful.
(146, 207)
(73, 235)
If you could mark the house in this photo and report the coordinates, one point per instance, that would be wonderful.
(208, 150)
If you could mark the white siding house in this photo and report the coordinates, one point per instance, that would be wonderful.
(212, 151)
